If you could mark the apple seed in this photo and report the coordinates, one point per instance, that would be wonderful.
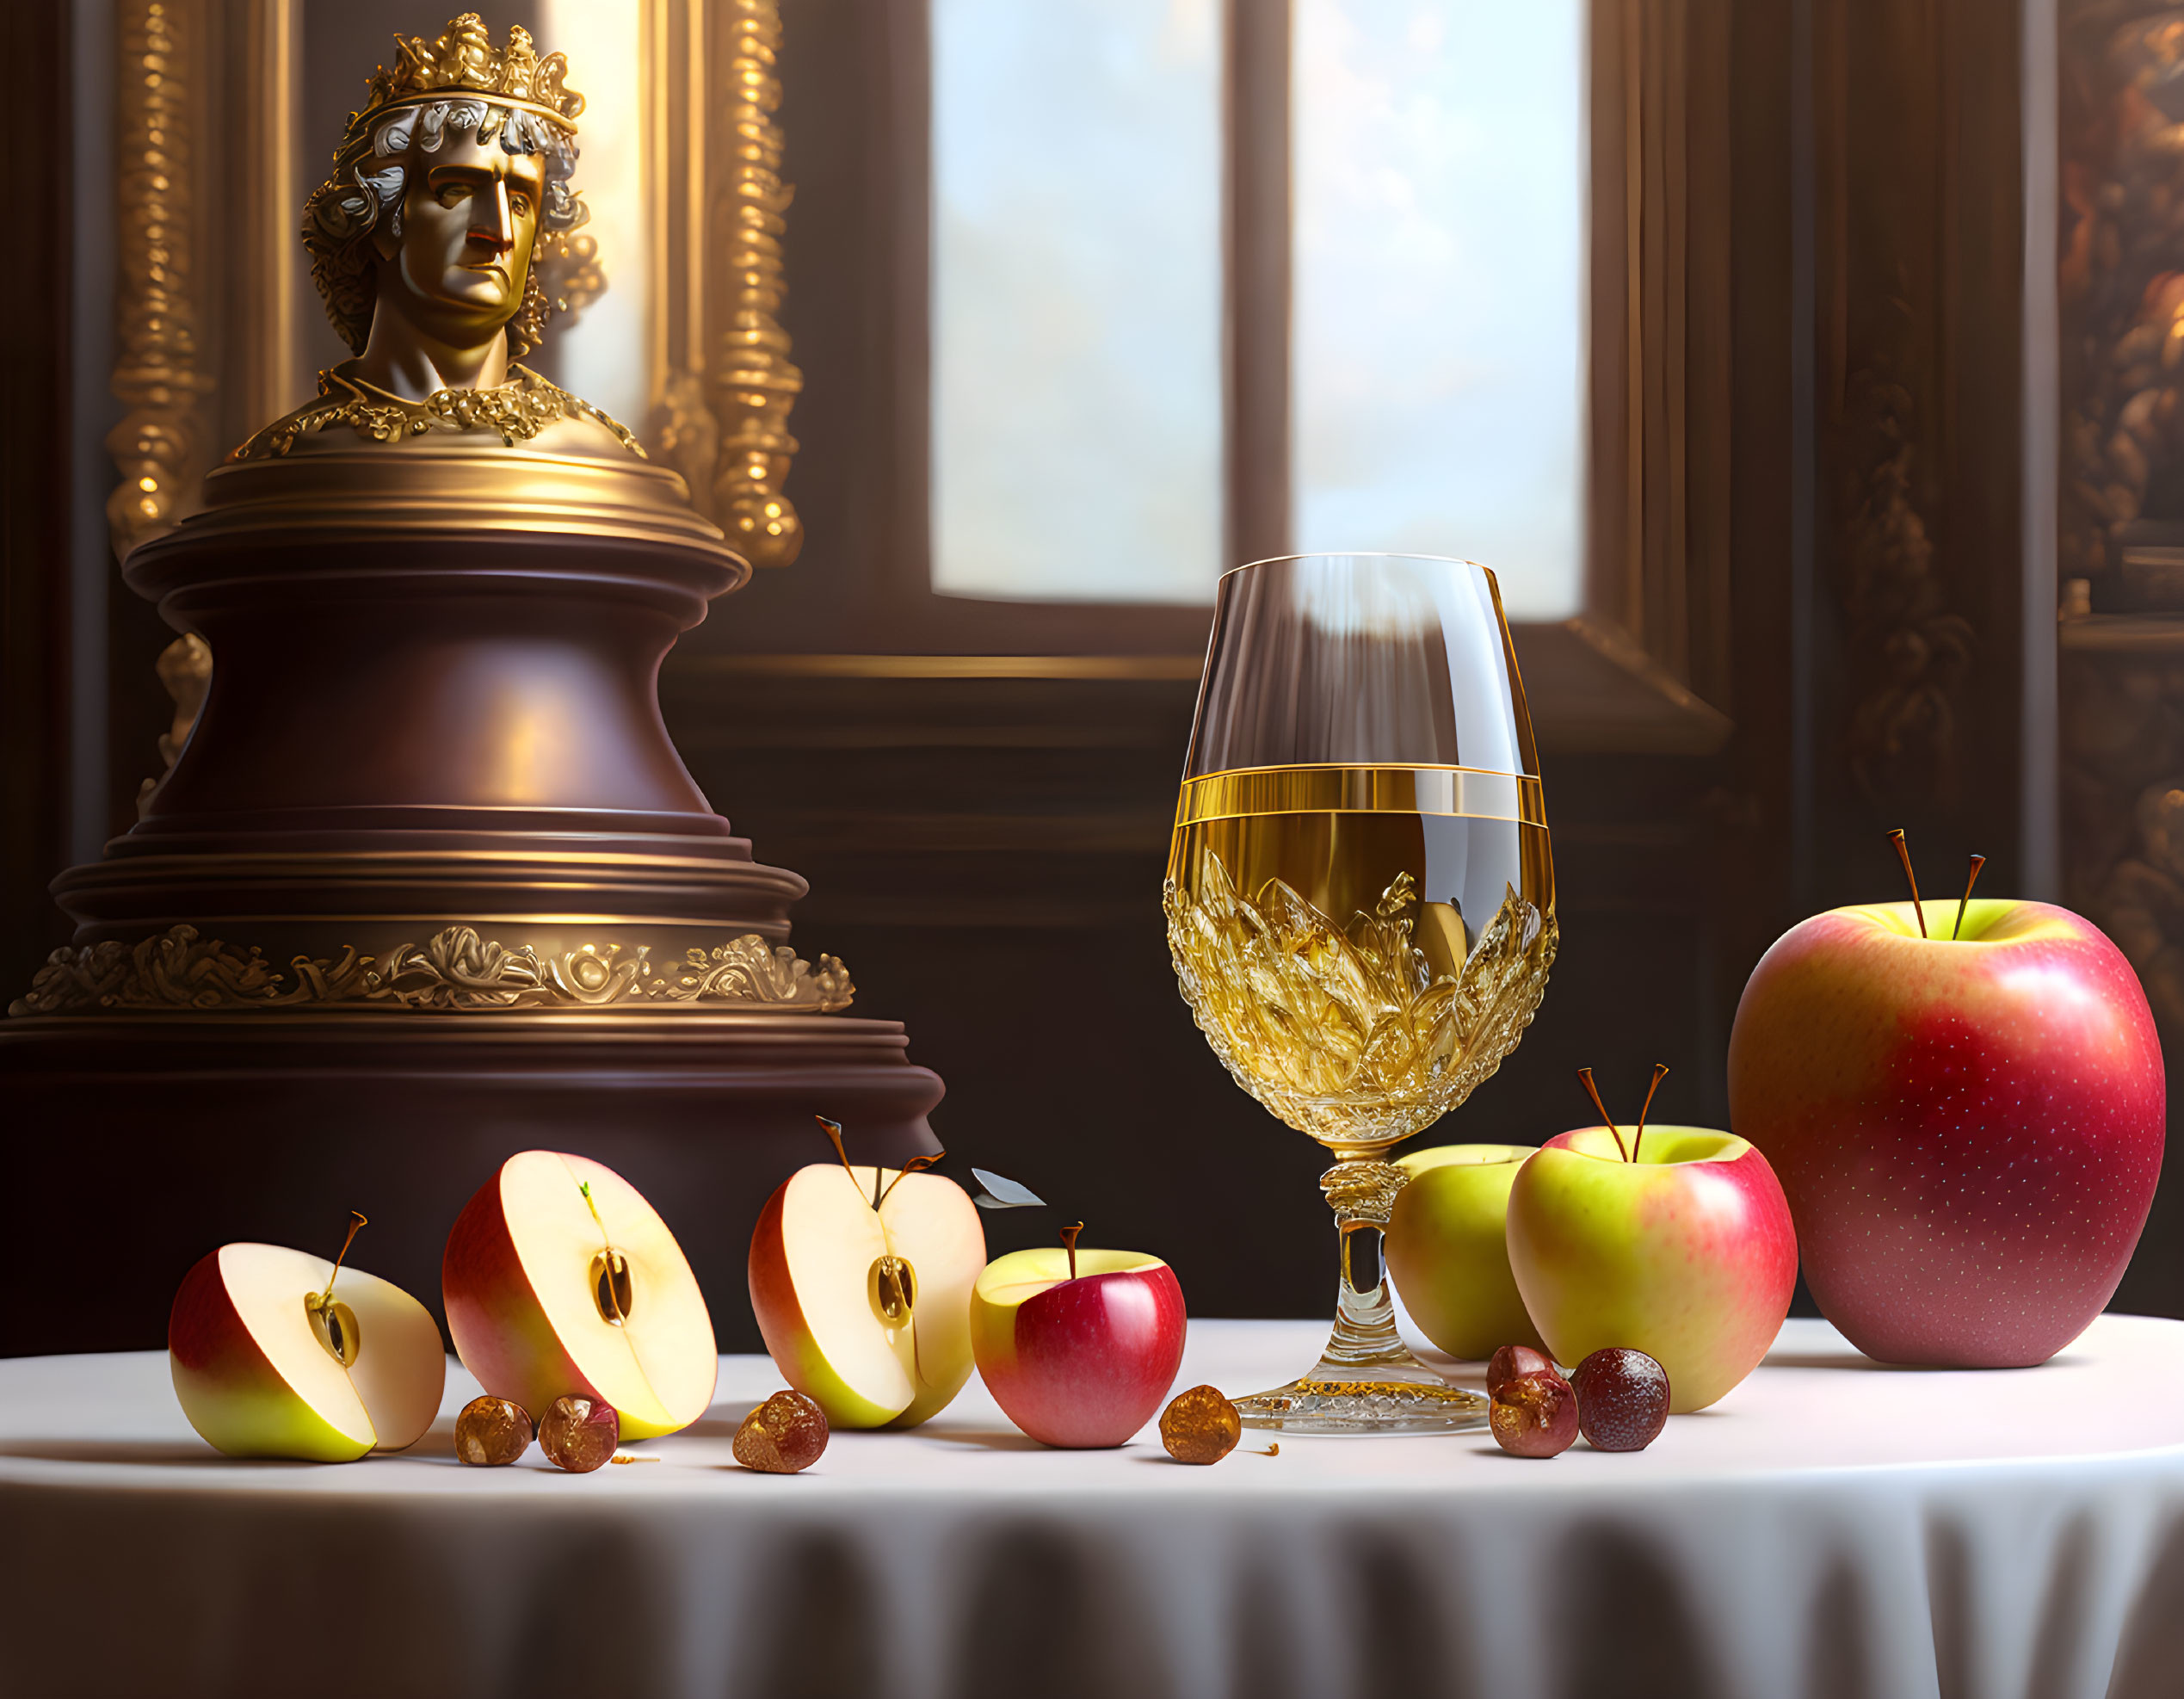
(1199, 1426)
(492, 1431)
(1534, 1414)
(579, 1434)
(1512, 1360)
(1622, 1399)
(785, 1434)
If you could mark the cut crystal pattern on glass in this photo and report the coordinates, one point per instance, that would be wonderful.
(1345, 1033)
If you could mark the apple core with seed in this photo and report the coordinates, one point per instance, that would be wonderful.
(275, 1356)
(860, 1278)
(560, 1279)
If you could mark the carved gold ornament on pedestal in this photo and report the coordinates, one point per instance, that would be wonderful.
(454, 971)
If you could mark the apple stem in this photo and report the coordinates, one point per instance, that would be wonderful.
(356, 1220)
(1637, 1139)
(1977, 863)
(1069, 1242)
(1585, 1079)
(833, 1129)
(1903, 855)
(917, 1165)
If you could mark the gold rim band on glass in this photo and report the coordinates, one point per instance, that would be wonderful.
(1343, 788)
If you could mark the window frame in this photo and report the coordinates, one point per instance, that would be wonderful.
(1643, 665)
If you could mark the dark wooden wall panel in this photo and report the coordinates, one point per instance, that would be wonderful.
(34, 410)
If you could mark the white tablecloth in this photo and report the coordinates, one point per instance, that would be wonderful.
(1831, 1531)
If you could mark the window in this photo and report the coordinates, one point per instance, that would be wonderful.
(1077, 300)
(1437, 244)
(1435, 335)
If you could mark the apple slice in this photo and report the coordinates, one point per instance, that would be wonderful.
(869, 1311)
(559, 1278)
(257, 1377)
(1078, 1347)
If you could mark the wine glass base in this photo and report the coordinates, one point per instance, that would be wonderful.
(1364, 1406)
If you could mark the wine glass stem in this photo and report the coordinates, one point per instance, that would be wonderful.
(1362, 1187)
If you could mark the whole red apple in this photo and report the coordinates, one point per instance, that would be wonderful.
(1082, 1360)
(1968, 1130)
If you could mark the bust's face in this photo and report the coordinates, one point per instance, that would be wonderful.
(469, 215)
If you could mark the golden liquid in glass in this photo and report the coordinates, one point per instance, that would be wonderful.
(1359, 953)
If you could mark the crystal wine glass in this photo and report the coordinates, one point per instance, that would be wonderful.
(1361, 903)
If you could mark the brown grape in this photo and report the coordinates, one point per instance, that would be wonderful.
(1534, 1414)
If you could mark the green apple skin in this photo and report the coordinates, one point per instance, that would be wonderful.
(1686, 1254)
(1447, 1253)
(232, 1394)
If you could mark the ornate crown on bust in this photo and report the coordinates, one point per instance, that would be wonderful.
(465, 60)
(460, 85)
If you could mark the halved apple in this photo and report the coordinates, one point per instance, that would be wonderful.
(867, 1309)
(560, 1278)
(262, 1370)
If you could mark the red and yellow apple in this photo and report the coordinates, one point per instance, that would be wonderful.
(864, 1309)
(560, 1279)
(1686, 1254)
(1078, 1358)
(1445, 1250)
(264, 1369)
(1968, 1129)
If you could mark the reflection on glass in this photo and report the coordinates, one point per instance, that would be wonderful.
(1437, 342)
(1077, 401)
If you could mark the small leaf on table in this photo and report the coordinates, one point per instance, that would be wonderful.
(999, 1193)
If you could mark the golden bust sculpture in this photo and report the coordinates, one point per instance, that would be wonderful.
(423, 241)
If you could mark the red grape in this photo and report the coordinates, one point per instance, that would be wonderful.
(1622, 1399)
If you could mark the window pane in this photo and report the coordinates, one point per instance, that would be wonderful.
(1437, 336)
(1076, 363)
(602, 354)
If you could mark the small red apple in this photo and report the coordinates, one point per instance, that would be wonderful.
(1078, 1348)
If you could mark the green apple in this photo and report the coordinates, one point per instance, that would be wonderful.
(1685, 1253)
(1446, 1253)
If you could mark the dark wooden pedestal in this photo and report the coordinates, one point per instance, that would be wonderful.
(429, 886)
(133, 1146)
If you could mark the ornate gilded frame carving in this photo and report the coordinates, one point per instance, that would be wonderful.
(723, 382)
(164, 442)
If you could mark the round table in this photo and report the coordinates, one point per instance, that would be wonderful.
(1833, 1530)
